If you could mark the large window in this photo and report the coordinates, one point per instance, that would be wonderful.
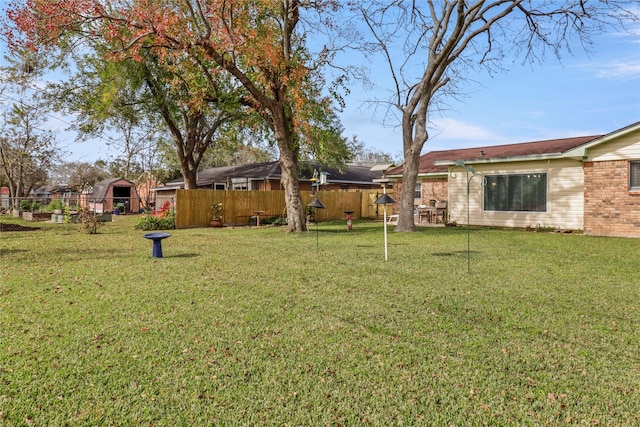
(517, 192)
(634, 176)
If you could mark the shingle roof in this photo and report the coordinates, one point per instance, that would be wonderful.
(100, 189)
(352, 174)
(482, 154)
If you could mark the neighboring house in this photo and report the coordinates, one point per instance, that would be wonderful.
(112, 194)
(41, 194)
(46, 194)
(589, 183)
(266, 177)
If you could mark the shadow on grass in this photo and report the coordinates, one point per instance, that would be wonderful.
(191, 255)
(11, 251)
(454, 253)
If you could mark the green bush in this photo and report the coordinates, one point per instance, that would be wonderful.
(55, 205)
(275, 220)
(150, 222)
(29, 206)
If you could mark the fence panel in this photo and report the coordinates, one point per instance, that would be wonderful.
(369, 208)
(193, 206)
(336, 202)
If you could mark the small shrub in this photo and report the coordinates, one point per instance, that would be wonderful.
(215, 211)
(68, 219)
(29, 206)
(276, 220)
(54, 205)
(150, 222)
(89, 223)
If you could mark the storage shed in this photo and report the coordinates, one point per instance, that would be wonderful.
(115, 195)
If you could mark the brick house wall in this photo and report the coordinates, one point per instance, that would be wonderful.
(432, 189)
(610, 209)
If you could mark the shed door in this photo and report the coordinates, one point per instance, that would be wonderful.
(122, 198)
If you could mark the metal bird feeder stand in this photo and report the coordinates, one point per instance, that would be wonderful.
(384, 200)
(471, 173)
(317, 204)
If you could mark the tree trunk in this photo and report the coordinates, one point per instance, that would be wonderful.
(406, 220)
(188, 166)
(189, 150)
(296, 216)
(296, 219)
(412, 147)
(13, 193)
(190, 177)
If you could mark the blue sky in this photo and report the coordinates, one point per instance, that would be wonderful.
(582, 95)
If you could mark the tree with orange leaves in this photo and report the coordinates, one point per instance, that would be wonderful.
(254, 42)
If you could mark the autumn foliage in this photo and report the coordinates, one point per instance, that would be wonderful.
(253, 42)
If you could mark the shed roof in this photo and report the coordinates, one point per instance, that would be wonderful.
(101, 188)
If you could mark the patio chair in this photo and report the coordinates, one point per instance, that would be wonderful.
(420, 212)
(441, 211)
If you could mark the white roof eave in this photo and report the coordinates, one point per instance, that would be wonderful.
(580, 152)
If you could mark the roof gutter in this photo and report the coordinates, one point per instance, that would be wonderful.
(420, 175)
(533, 157)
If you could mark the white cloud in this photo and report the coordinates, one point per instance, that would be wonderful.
(535, 114)
(618, 70)
(465, 134)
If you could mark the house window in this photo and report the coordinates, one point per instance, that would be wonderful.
(634, 176)
(417, 191)
(525, 192)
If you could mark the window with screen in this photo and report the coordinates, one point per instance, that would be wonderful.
(634, 176)
(525, 192)
(417, 191)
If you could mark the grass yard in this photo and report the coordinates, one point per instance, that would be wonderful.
(245, 327)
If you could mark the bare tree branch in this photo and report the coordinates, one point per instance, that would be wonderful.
(448, 39)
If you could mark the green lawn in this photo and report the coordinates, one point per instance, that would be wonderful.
(260, 327)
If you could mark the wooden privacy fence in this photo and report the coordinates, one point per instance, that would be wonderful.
(193, 207)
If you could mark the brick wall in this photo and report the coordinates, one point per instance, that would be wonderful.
(432, 189)
(610, 209)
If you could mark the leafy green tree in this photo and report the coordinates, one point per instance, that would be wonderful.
(78, 175)
(326, 144)
(140, 100)
(194, 55)
(26, 149)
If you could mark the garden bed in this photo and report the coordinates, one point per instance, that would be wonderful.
(36, 216)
